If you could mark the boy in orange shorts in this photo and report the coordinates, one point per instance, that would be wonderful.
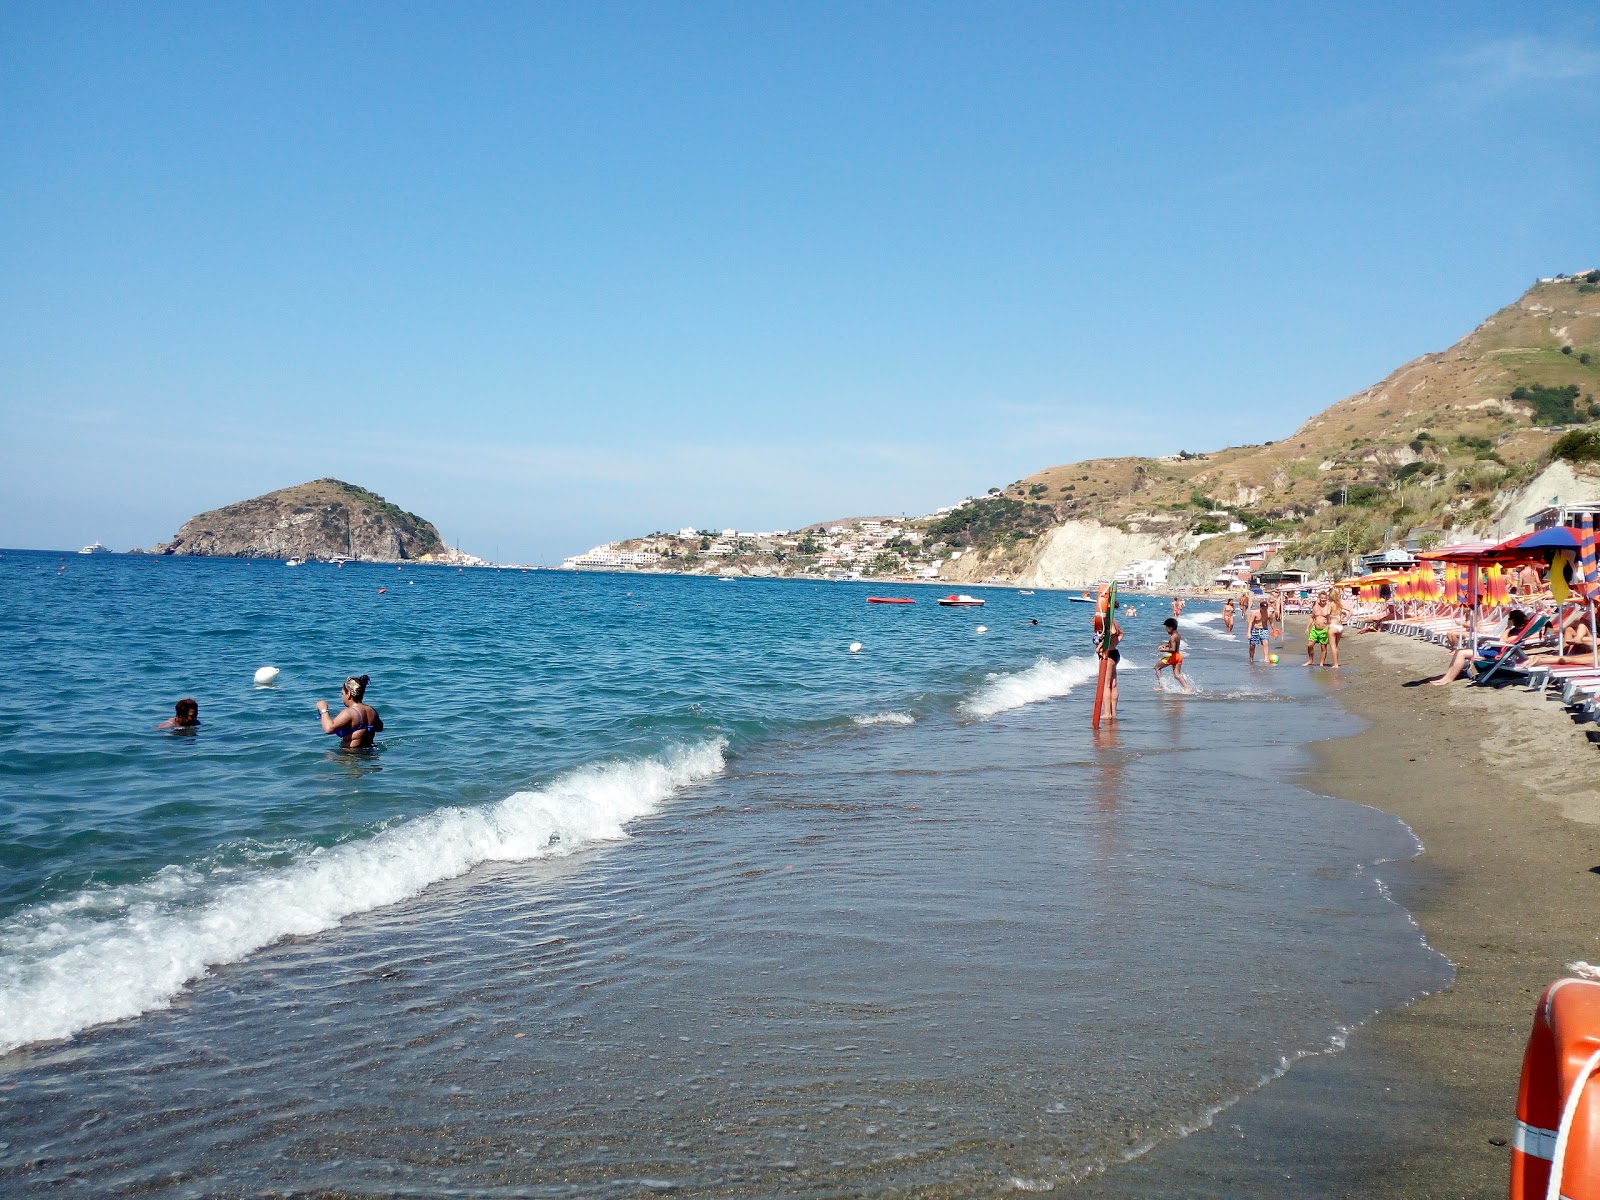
(1172, 656)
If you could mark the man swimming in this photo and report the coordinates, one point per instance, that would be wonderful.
(1172, 656)
(185, 715)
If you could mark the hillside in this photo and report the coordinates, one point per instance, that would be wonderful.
(1436, 449)
(321, 519)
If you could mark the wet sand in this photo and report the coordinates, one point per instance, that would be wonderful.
(1501, 787)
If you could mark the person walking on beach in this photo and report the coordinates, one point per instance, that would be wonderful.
(1227, 615)
(359, 724)
(1335, 625)
(185, 715)
(1317, 635)
(1259, 628)
(1172, 656)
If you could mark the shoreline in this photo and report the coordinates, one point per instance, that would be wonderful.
(1500, 787)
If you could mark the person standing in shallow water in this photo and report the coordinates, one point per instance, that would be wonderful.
(359, 724)
(1227, 615)
(1259, 629)
(1317, 632)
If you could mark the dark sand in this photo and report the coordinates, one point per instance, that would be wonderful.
(1501, 787)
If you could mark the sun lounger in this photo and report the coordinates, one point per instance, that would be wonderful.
(1514, 648)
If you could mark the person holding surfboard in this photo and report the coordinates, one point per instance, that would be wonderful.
(1107, 636)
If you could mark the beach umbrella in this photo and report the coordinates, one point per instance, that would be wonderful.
(1588, 579)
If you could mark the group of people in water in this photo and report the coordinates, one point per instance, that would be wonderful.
(357, 725)
(1263, 621)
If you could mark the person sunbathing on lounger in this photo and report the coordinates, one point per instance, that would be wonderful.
(1488, 653)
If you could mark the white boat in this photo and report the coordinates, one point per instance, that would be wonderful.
(295, 562)
(961, 601)
(94, 548)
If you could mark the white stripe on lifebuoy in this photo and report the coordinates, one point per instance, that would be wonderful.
(1530, 1139)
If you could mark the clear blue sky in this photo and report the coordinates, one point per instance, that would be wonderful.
(553, 274)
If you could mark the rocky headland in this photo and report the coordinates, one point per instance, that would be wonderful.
(326, 518)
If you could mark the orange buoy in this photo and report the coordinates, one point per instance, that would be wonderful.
(1556, 1148)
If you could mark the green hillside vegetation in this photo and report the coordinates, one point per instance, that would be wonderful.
(1427, 449)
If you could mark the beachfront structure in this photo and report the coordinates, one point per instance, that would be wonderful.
(1144, 573)
(608, 557)
(1248, 561)
(1564, 514)
(1392, 559)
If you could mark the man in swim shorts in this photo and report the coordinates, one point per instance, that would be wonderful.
(1317, 635)
(1260, 628)
(1172, 656)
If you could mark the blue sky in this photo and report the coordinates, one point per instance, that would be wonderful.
(554, 274)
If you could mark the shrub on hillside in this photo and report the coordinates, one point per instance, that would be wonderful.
(1551, 405)
(1581, 445)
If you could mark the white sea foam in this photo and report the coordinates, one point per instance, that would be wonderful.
(107, 955)
(1204, 623)
(885, 718)
(1045, 680)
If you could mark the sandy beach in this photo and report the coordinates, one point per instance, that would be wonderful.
(1500, 786)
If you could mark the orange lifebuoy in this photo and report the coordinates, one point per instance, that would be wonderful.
(1556, 1148)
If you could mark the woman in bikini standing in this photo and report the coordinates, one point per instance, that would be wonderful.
(359, 724)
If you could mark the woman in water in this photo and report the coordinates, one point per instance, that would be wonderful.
(359, 724)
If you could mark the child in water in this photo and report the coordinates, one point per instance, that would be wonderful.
(1172, 656)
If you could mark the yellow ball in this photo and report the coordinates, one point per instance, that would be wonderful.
(1273, 659)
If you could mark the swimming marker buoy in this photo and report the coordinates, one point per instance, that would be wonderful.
(1555, 1149)
(855, 647)
(266, 676)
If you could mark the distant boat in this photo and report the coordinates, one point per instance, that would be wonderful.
(94, 548)
(892, 600)
(339, 560)
(295, 562)
(961, 601)
(1025, 592)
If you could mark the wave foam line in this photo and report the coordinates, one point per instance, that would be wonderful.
(885, 718)
(62, 973)
(1045, 680)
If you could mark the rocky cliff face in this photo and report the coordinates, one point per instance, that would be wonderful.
(321, 519)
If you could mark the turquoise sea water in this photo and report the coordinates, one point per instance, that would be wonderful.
(620, 829)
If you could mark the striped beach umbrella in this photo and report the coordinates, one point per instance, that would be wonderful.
(1588, 571)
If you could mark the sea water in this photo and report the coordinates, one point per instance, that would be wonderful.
(652, 885)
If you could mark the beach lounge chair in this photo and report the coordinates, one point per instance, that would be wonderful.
(1512, 649)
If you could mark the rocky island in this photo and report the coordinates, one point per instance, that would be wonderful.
(326, 518)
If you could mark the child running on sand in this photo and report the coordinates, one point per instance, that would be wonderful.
(1172, 656)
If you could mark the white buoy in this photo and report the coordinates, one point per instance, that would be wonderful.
(266, 676)
(855, 647)
(983, 629)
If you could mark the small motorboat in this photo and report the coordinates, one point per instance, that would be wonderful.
(295, 562)
(94, 548)
(890, 600)
(1081, 599)
(961, 601)
(1025, 592)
